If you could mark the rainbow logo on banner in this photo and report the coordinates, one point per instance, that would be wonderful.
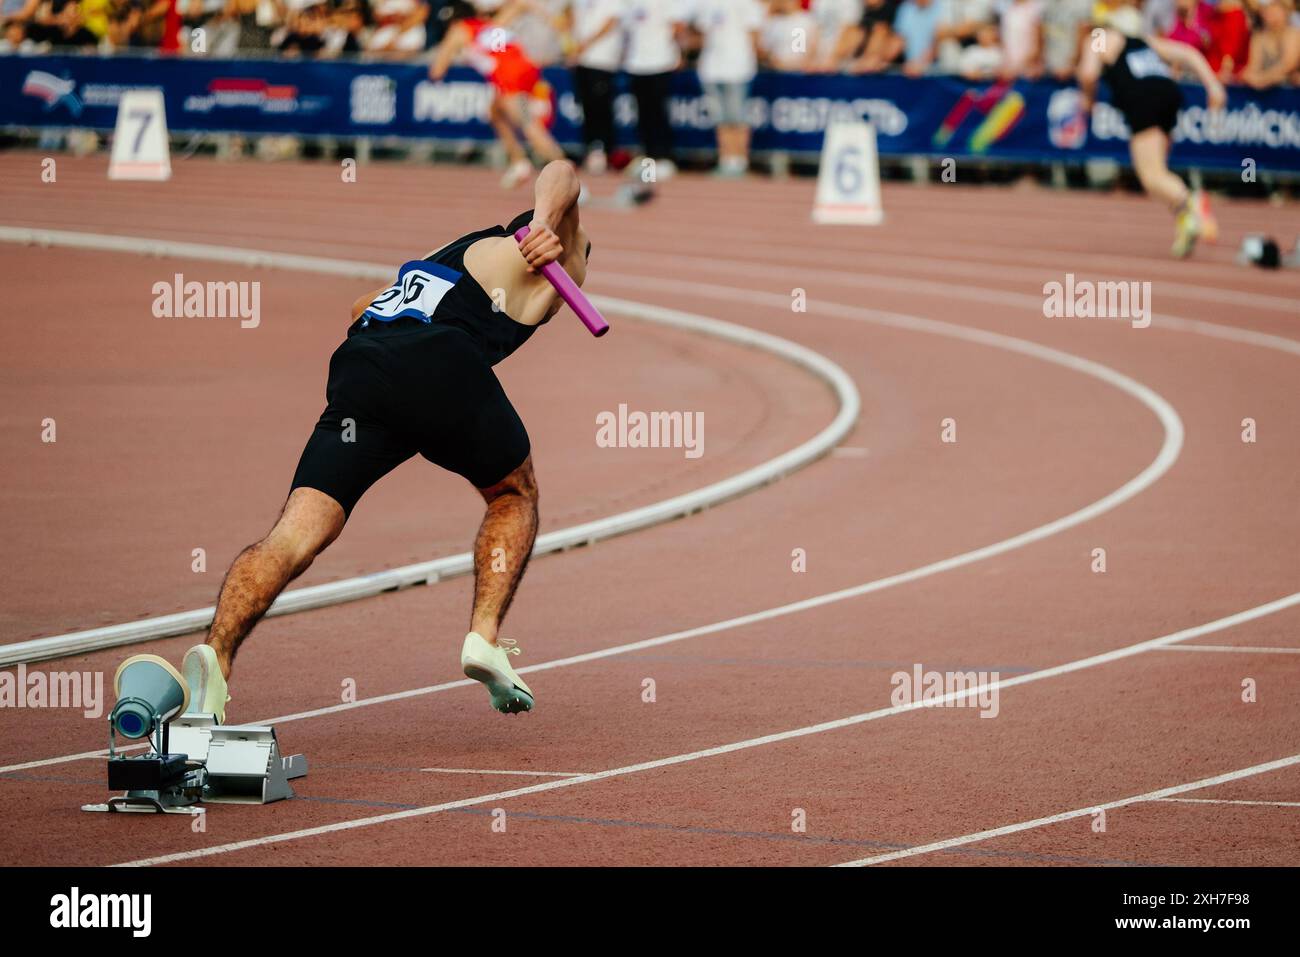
(1001, 107)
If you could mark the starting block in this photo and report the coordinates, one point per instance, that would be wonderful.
(206, 763)
(191, 759)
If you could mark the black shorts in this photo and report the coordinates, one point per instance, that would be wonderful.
(407, 387)
(1155, 102)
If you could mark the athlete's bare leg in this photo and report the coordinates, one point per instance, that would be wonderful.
(538, 136)
(1150, 152)
(309, 522)
(504, 544)
(505, 130)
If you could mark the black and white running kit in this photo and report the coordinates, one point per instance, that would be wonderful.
(1142, 88)
(414, 376)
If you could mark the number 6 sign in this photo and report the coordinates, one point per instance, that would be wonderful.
(848, 186)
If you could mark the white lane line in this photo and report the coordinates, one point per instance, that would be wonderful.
(68, 758)
(1223, 801)
(1167, 286)
(866, 279)
(530, 774)
(1249, 649)
(1093, 661)
(849, 452)
(1164, 460)
(364, 586)
(979, 836)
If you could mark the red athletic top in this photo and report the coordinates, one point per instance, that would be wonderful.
(1229, 37)
(171, 36)
(494, 53)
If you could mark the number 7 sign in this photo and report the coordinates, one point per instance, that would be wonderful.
(140, 146)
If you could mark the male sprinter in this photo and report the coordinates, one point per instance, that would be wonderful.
(415, 376)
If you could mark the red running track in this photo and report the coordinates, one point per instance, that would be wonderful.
(762, 714)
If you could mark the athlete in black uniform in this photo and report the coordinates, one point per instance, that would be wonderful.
(414, 377)
(424, 346)
(1137, 70)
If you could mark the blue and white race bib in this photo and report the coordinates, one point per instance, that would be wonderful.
(1146, 62)
(419, 288)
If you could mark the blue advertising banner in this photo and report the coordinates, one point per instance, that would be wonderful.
(938, 116)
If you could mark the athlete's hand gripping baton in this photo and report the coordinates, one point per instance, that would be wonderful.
(570, 293)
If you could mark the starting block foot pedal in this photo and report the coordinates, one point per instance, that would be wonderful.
(245, 766)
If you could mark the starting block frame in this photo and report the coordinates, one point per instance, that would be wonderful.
(226, 764)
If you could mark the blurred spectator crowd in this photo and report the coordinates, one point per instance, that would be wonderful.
(1252, 42)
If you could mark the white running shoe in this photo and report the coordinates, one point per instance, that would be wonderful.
(517, 174)
(490, 664)
(208, 691)
(597, 163)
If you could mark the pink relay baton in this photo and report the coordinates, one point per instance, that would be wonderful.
(570, 293)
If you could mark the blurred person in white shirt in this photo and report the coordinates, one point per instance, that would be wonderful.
(958, 30)
(594, 34)
(537, 29)
(1065, 25)
(983, 59)
(650, 58)
(1021, 25)
(832, 16)
(727, 31)
(789, 39)
(400, 29)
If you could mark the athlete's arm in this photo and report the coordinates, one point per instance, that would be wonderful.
(555, 215)
(511, 11)
(1088, 75)
(1189, 58)
(447, 52)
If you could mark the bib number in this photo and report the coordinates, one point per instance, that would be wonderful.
(416, 293)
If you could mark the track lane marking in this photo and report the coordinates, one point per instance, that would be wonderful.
(528, 774)
(1080, 664)
(979, 836)
(1173, 800)
(1164, 460)
(1283, 341)
(1249, 649)
(420, 573)
(865, 278)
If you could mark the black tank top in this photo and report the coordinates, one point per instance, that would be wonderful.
(1135, 73)
(439, 290)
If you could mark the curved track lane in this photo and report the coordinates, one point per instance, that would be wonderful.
(1212, 538)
